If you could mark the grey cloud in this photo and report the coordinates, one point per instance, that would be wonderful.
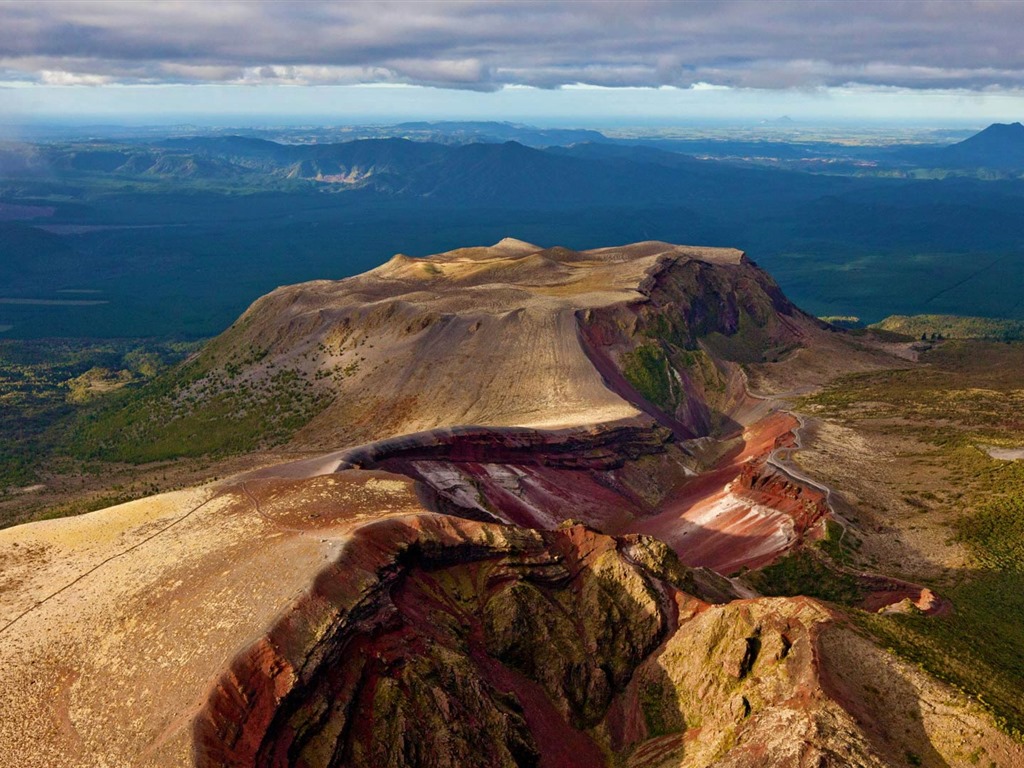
(487, 45)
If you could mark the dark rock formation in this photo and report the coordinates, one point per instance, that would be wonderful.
(438, 642)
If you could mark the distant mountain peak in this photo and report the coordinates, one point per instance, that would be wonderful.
(999, 132)
(1000, 145)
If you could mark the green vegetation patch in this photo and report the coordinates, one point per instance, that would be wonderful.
(653, 366)
(647, 369)
(837, 544)
(44, 383)
(805, 573)
(995, 532)
(953, 327)
(969, 387)
(660, 707)
(195, 413)
(751, 342)
(970, 394)
(979, 648)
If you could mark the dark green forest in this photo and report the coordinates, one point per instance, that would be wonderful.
(173, 239)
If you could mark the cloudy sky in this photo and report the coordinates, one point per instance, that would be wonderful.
(550, 61)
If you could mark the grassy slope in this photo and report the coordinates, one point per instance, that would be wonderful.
(201, 408)
(90, 423)
(970, 395)
(45, 382)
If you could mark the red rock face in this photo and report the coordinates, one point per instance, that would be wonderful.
(898, 596)
(770, 487)
(425, 627)
(531, 478)
(468, 644)
(742, 512)
(463, 643)
(739, 513)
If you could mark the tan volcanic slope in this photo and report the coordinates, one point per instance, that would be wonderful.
(133, 611)
(116, 626)
(484, 336)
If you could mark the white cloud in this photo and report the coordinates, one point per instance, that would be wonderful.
(488, 45)
(60, 77)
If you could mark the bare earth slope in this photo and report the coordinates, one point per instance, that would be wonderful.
(412, 595)
(483, 336)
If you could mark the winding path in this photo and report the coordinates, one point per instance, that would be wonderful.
(102, 563)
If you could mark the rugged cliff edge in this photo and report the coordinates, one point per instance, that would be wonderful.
(477, 644)
(435, 641)
(526, 481)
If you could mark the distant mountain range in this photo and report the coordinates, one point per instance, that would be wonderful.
(456, 161)
(509, 173)
(146, 222)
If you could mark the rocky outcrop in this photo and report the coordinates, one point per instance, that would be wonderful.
(437, 642)
(441, 642)
(674, 352)
(764, 484)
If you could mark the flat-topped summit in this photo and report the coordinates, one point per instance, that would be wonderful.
(508, 335)
(583, 278)
(497, 336)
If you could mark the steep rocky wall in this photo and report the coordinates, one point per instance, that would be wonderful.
(766, 485)
(540, 479)
(439, 642)
(454, 644)
(739, 512)
(675, 353)
(603, 446)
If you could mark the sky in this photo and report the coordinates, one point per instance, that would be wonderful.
(585, 63)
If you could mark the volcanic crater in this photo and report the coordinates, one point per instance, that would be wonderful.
(516, 536)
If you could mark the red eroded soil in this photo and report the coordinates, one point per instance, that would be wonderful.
(538, 496)
(883, 591)
(742, 513)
